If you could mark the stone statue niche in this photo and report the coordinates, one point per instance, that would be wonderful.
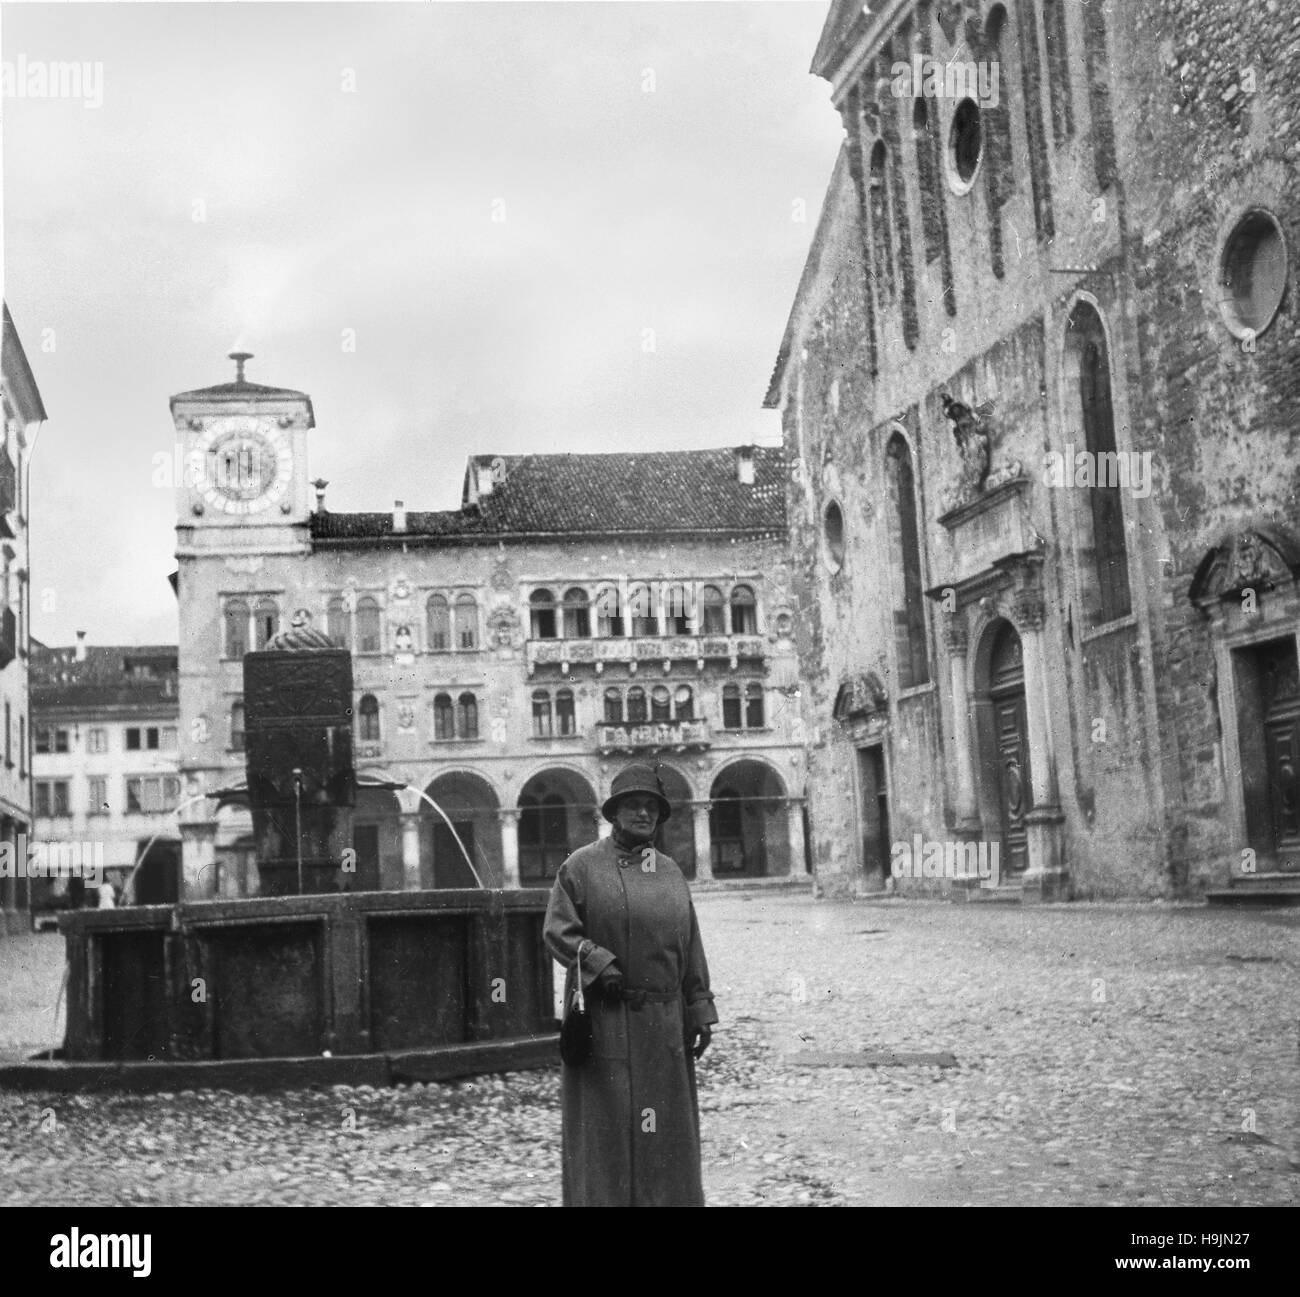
(301, 781)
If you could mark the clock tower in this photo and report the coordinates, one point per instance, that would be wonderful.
(243, 449)
(243, 529)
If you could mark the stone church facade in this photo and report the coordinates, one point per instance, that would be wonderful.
(577, 612)
(1038, 390)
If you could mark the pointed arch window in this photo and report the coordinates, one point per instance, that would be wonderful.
(878, 205)
(909, 601)
(1058, 70)
(1105, 558)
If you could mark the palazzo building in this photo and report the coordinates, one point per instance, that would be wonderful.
(1039, 392)
(24, 413)
(104, 763)
(510, 656)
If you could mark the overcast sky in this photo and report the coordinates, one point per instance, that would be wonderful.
(648, 158)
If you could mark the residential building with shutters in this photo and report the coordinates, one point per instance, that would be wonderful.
(1038, 389)
(104, 765)
(575, 613)
(24, 413)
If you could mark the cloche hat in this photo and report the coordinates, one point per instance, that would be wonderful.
(635, 779)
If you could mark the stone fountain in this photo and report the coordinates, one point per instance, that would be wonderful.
(313, 981)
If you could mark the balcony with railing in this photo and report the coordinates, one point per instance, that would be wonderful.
(639, 650)
(652, 736)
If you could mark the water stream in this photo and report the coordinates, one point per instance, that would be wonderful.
(411, 788)
(127, 894)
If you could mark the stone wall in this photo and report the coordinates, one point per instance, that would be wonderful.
(1114, 192)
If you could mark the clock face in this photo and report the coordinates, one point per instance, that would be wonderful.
(247, 464)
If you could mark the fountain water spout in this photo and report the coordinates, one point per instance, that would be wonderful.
(419, 792)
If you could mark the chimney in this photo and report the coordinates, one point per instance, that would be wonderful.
(745, 465)
(80, 654)
(399, 516)
(320, 484)
(487, 472)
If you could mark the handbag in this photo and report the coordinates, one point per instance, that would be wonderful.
(575, 1029)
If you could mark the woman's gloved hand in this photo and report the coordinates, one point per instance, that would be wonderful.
(609, 984)
(701, 1038)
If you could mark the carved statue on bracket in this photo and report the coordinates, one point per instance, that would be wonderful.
(972, 430)
(972, 438)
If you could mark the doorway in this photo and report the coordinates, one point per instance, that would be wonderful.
(1006, 748)
(1268, 733)
(875, 812)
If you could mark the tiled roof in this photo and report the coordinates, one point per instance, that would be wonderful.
(244, 391)
(656, 492)
(377, 526)
(102, 679)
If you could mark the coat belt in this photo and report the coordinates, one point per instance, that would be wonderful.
(639, 999)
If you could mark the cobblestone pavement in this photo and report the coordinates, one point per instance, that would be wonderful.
(1105, 1054)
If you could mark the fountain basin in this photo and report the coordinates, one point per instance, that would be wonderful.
(371, 987)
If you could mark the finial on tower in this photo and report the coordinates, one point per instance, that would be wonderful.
(239, 357)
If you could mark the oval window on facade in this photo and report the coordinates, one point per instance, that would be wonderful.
(965, 145)
(1253, 273)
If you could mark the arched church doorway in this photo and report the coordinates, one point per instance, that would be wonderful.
(1004, 742)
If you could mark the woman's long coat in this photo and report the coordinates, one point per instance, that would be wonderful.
(631, 1121)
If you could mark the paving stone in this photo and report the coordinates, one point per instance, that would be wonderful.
(1138, 1099)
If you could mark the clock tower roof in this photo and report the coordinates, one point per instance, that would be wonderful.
(242, 391)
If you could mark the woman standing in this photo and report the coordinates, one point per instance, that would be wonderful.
(631, 1120)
